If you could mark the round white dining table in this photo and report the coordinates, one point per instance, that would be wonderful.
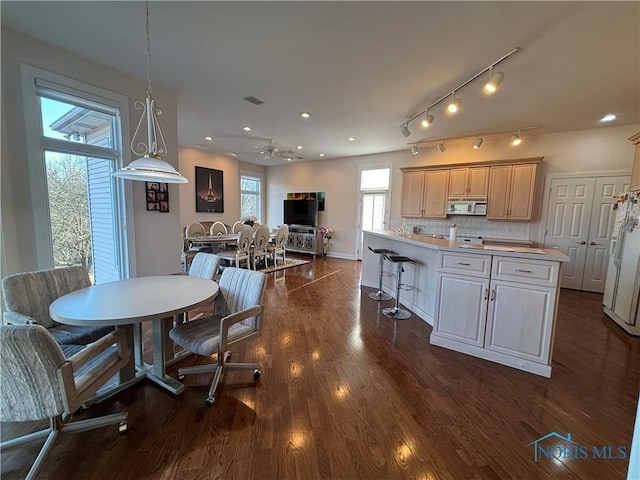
(132, 301)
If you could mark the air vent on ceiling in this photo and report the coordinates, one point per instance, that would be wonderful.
(254, 100)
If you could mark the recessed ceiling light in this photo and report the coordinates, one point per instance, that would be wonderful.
(299, 147)
(305, 114)
(351, 139)
(208, 137)
(246, 129)
(608, 117)
(321, 154)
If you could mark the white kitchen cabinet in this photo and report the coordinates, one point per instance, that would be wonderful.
(498, 308)
(520, 320)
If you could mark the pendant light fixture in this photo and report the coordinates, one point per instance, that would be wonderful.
(150, 167)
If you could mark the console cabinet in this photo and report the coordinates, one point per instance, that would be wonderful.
(498, 308)
(304, 240)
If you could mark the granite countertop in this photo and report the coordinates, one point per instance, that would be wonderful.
(445, 245)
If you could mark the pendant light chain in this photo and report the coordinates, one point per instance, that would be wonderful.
(149, 87)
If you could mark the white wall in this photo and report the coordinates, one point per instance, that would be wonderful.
(156, 234)
(595, 150)
(189, 159)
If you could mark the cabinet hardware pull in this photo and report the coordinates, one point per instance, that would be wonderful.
(486, 293)
(493, 295)
(523, 271)
(465, 264)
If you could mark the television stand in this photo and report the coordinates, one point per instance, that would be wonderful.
(304, 239)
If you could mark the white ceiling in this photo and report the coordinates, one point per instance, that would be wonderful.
(360, 68)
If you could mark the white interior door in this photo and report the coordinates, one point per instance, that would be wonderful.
(567, 228)
(600, 229)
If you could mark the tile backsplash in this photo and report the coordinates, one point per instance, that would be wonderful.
(471, 226)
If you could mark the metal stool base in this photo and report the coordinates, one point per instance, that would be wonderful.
(380, 296)
(396, 313)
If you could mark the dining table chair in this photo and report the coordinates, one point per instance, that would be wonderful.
(242, 252)
(279, 244)
(218, 228)
(39, 383)
(259, 247)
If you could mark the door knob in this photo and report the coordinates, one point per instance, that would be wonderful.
(593, 243)
(582, 242)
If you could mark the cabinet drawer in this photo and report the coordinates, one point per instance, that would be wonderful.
(476, 265)
(534, 272)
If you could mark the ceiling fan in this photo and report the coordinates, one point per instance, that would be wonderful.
(271, 151)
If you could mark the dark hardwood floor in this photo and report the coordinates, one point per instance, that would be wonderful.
(346, 393)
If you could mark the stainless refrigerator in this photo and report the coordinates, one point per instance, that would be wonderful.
(622, 287)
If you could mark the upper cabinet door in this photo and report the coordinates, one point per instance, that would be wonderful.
(478, 182)
(458, 184)
(412, 191)
(498, 195)
(523, 181)
(436, 185)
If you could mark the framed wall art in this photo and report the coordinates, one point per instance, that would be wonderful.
(157, 196)
(209, 190)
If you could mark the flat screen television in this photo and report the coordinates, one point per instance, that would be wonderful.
(301, 212)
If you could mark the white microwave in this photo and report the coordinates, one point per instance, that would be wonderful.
(467, 206)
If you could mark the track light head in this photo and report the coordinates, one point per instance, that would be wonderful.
(516, 139)
(494, 81)
(405, 130)
(427, 120)
(441, 148)
(414, 149)
(478, 142)
(455, 103)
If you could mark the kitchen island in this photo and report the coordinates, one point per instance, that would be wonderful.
(489, 301)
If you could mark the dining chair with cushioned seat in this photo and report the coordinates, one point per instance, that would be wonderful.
(237, 227)
(204, 265)
(27, 297)
(38, 383)
(259, 247)
(237, 318)
(196, 229)
(241, 252)
(278, 246)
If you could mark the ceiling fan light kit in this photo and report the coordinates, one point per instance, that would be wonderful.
(495, 79)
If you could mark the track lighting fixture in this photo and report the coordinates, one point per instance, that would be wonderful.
(516, 139)
(478, 143)
(414, 149)
(455, 103)
(441, 148)
(427, 120)
(495, 79)
(490, 87)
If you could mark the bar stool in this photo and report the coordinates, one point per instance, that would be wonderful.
(380, 295)
(396, 312)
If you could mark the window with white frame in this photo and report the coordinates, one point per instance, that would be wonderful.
(75, 140)
(251, 196)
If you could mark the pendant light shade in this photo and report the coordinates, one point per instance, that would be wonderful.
(151, 166)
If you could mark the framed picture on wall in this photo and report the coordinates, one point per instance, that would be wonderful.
(157, 196)
(209, 190)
